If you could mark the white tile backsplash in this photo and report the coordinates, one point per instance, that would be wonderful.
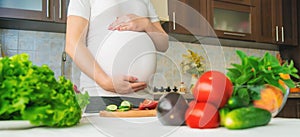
(42, 47)
(10, 42)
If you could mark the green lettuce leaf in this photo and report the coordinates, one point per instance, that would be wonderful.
(30, 92)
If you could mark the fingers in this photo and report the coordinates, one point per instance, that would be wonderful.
(118, 23)
(139, 88)
(120, 27)
(130, 79)
(138, 85)
(127, 84)
(125, 22)
(123, 28)
(131, 87)
(114, 25)
(134, 84)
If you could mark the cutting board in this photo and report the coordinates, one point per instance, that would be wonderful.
(130, 113)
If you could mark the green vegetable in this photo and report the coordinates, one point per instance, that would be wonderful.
(125, 104)
(253, 73)
(30, 92)
(236, 102)
(247, 117)
(223, 112)
(112, 107)
(83, 99)
(123, 109)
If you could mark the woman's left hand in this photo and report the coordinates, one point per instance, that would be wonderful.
(130, 22)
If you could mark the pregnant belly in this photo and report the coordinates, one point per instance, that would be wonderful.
(128, 53)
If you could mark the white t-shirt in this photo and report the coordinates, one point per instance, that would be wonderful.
(100, 14)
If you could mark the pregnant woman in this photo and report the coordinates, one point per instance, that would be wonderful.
(95, 25)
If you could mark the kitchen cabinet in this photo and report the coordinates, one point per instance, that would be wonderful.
(278, 19)
(243, 2)
(264, 21)
(38, 10)
(188, 17)
(233, 19)
(291, 109)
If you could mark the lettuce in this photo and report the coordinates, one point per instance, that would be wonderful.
(30, 92)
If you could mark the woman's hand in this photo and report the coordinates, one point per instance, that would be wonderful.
(123, 85)
(130, 22)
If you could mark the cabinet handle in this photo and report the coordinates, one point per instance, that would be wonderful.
(277, 37)
(60, 9)
(63, 62)
(298, 110)
(282, 34)
(234, 34)
(47, 10)
(174, 21)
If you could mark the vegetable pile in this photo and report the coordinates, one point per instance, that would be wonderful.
(259, 88)
(253, 73)
(30, 92)
(248, 96)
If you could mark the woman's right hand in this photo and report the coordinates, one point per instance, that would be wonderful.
(122, 85)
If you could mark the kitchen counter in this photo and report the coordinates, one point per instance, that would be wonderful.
(294, 95)
(93, 125)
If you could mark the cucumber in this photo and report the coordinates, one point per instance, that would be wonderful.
(123, 109)
(112, 107)
(126, 105)
(223, 112)
(247, 117)
(236, 102)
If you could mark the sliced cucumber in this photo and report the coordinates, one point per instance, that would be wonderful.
(125, 104)
(112, 107)
(123, 109)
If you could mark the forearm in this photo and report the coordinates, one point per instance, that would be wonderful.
(88, 65)
(76, 48)
(158, 36)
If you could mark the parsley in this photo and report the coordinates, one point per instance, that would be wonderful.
(250, 76)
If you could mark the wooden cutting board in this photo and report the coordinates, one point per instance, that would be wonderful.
(130, 113)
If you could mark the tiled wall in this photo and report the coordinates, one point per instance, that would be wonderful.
(47, 48)
(216, 58)
(42, 47)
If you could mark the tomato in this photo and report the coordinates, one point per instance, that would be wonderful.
(202, 115)
(148, 104)
(213, 87)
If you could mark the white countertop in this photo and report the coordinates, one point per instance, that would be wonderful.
(96, 126)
